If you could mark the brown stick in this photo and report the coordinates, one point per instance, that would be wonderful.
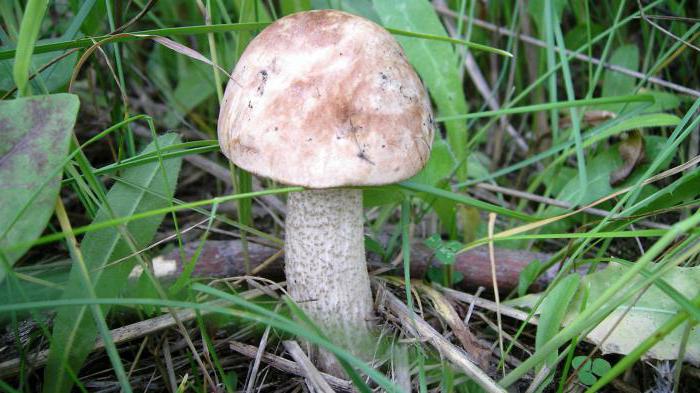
(225, 259)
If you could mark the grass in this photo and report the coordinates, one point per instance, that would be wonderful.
(139, 178)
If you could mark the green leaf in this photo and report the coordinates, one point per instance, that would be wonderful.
(35, 138)
(578, 361)
(663, 101)
(615, 83)
(586, 378)
(650, 311)
(436, 62)
(192, 90)
(445, 252)
(434, 241)
(141, 189)
(600, 366)
(374, 246)
(553, 310)
(528, 276)
(436, 173)
(439, 165)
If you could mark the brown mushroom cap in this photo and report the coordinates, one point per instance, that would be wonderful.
(326, 99)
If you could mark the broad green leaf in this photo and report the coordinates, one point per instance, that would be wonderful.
(142, 189)
(439, 166)
(35, 137)
(600, 366)
(652, 309)
(554, 310)
(190, 91)
(586, 378)
(599, 169)
(578, 361)
(436, 173)
(615, 83)
(655, 306)
(663, 101)
(436, 62)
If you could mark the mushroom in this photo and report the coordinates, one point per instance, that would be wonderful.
(327, 100)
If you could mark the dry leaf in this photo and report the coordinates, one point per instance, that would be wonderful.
(632, 152)
(589, 117)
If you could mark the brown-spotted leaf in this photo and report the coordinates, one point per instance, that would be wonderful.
(35, 134)
(632, 153)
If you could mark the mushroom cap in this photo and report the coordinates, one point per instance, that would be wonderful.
(325, 99)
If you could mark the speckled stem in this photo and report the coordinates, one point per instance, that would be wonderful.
(326, 268)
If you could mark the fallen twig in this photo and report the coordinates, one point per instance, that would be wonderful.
(422, 329)
(287, 366)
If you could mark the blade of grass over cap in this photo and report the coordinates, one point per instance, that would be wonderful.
(468, 44)
(552, 105)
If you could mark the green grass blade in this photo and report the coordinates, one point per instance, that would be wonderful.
(433, 37)
(553, 311)
(463, 199)
(551, 105)
(28, 33)
(137, 35)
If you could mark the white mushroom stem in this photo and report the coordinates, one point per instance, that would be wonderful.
(325, 265)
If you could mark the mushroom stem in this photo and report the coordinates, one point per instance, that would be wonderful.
(326, 268)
